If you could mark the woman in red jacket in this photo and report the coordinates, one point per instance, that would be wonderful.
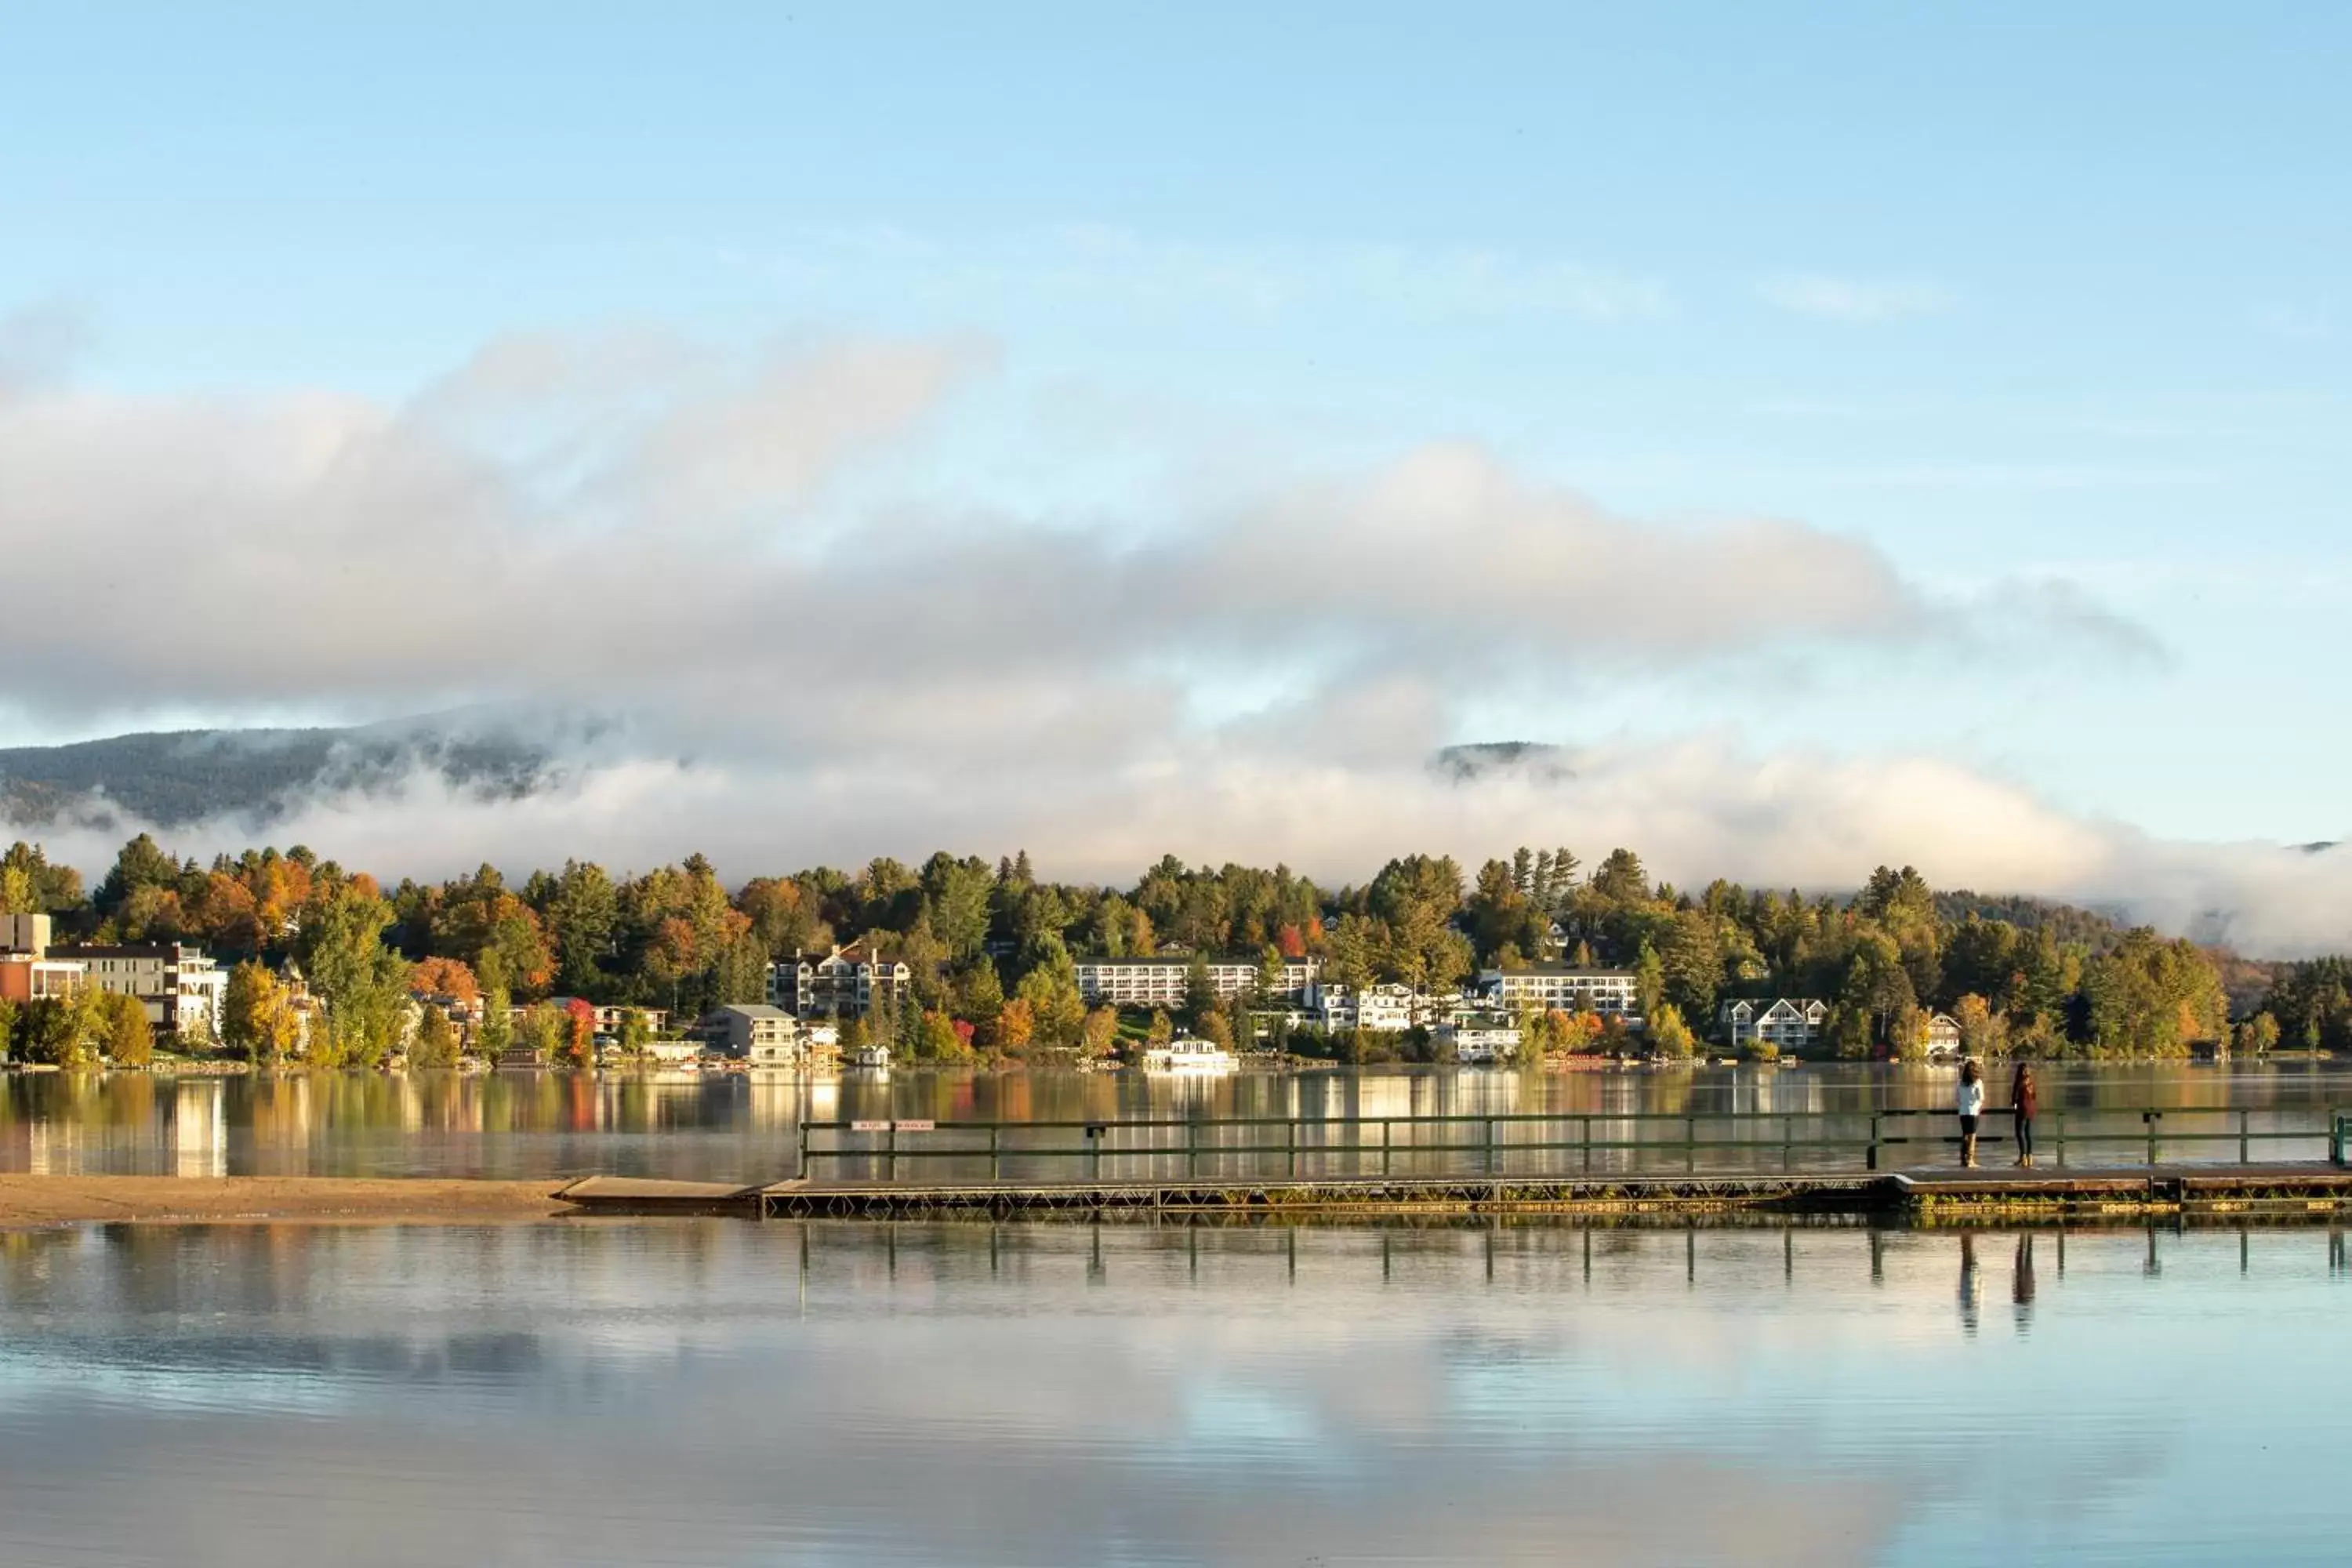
(2021, 1098)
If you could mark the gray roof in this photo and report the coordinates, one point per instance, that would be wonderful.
(1589, 971)
(752, 1010)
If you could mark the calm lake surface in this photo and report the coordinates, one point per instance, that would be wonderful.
(728, 1393)
(743, 1126)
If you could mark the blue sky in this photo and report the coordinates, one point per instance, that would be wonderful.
(2037, 302)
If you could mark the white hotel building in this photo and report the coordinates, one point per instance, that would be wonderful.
(1608, 992)
(1159, 981)
(1378, 1009)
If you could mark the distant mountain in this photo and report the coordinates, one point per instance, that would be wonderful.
(2098, 928)
(259, 777)
(1492, 759)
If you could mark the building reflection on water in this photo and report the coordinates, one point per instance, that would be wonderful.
(200, 1129)
(711, 1126)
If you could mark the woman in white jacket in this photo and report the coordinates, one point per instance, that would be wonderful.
(1971, 1107)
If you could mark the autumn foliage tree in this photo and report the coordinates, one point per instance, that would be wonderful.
(578, 1044)
(130, 1039)
(447, 977)
(1014, 1025)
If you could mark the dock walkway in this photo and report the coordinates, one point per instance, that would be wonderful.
(1927, 1194)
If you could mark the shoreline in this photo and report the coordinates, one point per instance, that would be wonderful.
(28, 1202)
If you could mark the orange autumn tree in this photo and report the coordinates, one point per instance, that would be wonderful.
(578, 1047)
(1014, 1025)
(281, 886)
(447, 977)
(224, 915)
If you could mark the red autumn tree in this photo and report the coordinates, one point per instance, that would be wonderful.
(579, 1033)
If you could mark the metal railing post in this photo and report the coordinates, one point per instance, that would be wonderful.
(1290, 1146)
(890, 1153)
(1690, 1142)
(1870, 1155)
(1490, 1145)
(1584, 1125)
(1788, 1141)
(1387, 1131)
(2150, 1118)
(800, 1151)
(2060, 1117)
(1192, 1148)
(2241, 1138)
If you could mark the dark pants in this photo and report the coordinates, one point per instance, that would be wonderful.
(2025, 1137)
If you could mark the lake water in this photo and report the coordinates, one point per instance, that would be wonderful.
(729, 1393)
(743, 1126)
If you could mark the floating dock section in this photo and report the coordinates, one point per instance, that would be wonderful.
(1926, 1196)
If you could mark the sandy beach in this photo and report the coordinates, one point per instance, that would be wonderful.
(62, 1200)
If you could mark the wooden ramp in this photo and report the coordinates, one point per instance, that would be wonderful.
(648, 1195)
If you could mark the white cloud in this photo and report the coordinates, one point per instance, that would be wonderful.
(646, 529)
(1331, 790)
(636, 523)
(1856, 299)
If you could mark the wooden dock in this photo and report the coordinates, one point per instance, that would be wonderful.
(1942, 1194)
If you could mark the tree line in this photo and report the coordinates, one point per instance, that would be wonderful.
(991, 947)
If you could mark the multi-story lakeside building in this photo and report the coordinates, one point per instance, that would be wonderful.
(1380, 1009)
(1569, 987)
(180, 986)
(1159, 981)
(847, 981)
(1786, 1023)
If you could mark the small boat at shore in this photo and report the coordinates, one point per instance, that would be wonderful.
(874, 1058)
(1188, 1055)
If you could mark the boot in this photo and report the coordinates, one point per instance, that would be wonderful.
(1969, 1151)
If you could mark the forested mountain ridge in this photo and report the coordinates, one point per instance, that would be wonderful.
(2095, 928)
(252, 776)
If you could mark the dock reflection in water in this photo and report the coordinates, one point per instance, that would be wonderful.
(710, 1393)
(742, 1128)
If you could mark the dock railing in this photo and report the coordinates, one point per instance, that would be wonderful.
(1547, 1143)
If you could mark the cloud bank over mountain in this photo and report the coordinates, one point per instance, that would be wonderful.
(796, 653)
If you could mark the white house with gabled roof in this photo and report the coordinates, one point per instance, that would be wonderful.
(1787, 1023)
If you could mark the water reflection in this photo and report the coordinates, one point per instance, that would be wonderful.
(740, 1127)
(727, 1393)
(1971, 1282)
